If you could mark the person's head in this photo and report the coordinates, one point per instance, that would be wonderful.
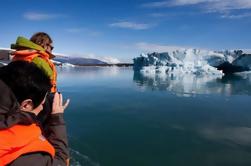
(28, 83)
(44, 40)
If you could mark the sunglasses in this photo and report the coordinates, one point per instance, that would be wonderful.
(51, 46)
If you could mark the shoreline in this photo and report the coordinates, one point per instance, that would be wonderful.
(101, 65)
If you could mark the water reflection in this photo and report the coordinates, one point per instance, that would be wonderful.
(199, 130)
(190, 84)
(89, 71)
(240, 135)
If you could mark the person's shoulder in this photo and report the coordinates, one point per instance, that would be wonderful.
(42, 64)
(41, 159)
(40, 60)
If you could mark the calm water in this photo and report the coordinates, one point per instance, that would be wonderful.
(121, 118)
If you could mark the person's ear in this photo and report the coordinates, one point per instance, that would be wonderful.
(26, 105)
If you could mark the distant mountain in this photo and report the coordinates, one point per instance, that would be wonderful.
(78, 60)
(59, 59)
(4, 54)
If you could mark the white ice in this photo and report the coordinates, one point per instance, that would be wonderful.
(189, 61)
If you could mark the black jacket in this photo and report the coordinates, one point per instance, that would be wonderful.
(55, 132)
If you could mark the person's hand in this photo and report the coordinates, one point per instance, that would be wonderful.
(58, 106)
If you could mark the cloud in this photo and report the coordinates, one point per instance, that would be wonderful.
(160, 4)
(110, 60)
(163, 4)
(130, 25)
(158, 15)
(209, 5)
(84, 30)
(228, 5)
(149, 47)
(34, 16)
(75, 30)
(107, 59)
(236, 16)
(167, 15)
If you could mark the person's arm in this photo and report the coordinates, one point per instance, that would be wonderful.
(56, 131)
(56, 135)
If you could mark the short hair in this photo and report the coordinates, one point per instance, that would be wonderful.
(26, 81)
(41, 38)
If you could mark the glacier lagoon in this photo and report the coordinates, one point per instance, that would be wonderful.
(118, 117)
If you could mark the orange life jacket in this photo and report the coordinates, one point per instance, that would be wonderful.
(29, 55)
(19, 140)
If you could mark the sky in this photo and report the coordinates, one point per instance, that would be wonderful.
(119, 30)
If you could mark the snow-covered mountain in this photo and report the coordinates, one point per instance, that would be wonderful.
(78, 60)
(4, 54)
(193, 61)
(58, 60)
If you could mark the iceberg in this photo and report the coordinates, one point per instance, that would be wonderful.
(194, 61)
(67, 65)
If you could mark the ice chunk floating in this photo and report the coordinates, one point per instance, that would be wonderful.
(193, 61)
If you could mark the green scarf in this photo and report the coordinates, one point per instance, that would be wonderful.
(22, 42)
